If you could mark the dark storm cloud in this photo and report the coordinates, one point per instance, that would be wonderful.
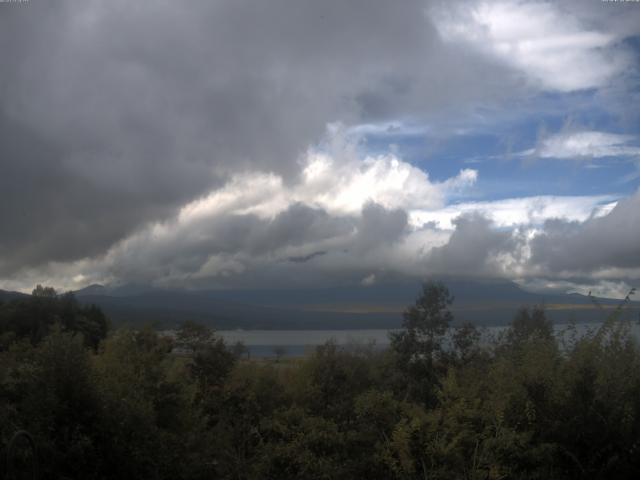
(471, 249)
(306, 258)
(606, 247)
(213, 245)
(115, 113)
(50, 212)
(380, 226)
(249, 235)
(611, 241)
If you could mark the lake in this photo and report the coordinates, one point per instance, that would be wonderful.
(262, 343)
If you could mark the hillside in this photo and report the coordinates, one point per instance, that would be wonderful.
(483, 302)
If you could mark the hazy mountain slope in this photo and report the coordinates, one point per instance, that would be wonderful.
(6, 295)
(484, 302)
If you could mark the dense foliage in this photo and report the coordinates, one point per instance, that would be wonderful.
(441, 403)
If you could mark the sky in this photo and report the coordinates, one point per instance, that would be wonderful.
(251, 144)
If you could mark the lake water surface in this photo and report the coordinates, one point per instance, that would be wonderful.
(265, 343)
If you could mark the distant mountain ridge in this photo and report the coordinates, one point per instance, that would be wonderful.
(6, 295)
(480, 301)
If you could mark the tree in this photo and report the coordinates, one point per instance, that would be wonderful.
(194, 336)
(211, 359)
(279, 351)
(529, 325)
(62, 405)
(418, 346)
(147, 418)
(44, 292)
(466, 343)
(430, 317)
(239, 349)
(33, 317)
(332, 378)
(425, 323)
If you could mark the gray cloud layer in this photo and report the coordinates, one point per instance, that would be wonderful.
(471, 248)
(115, 114)
(612, 241)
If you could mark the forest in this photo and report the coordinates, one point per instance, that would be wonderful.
(442, 402)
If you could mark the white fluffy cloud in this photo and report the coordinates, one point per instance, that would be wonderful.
(344, 201)
(337, 178)
(214, 242)
(347, 215)
(585, 145)
(550, 46)
(526, 211)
